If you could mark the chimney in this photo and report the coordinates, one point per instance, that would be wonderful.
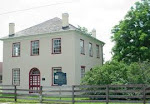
(65, 20)
(11, 29)
(94, 33)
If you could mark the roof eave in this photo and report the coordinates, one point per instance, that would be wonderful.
(90, 36)
(7, 38)
(77, 30)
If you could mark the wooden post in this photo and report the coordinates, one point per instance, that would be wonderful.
(107, 94)
(73, 94)
(59, 93)
(144, 94)
(40, 94)
(15, 93)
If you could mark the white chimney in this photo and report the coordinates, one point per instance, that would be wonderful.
(65, 20)
(94, 33)
(11, 28)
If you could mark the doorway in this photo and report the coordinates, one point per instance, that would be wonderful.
(34, 80)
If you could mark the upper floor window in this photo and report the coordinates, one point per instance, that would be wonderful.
(54, 70)
(35, 47)
(16, 76)
(82, 71)
(90, 50)
(97, 51)
(82, 46)
(16, 49)
(56, 46)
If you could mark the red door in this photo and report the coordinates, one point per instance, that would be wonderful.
(34, 80)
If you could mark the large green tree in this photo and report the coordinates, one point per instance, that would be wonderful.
(132, 35)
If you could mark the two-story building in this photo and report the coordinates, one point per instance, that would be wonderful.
(32, 56)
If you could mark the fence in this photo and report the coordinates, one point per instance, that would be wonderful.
(81, 93)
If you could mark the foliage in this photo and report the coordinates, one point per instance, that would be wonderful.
(118, 73)
(84, 30)
(132, 35)
(110, 73)
(139, 73)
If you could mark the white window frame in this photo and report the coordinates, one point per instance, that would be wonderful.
(90, 50)
(16, 49)
(82, 47)
(34, 47)
(56, 46)
(54, 70)
(16, 76)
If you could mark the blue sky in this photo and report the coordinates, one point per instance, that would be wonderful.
(99, 14)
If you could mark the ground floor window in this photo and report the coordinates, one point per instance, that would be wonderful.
(82, 71)
(54, 70)
(16, 76)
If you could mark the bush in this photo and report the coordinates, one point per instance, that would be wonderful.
(114, 72)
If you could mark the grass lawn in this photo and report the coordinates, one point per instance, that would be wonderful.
(24, 101)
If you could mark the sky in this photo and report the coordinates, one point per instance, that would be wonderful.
(102, 15)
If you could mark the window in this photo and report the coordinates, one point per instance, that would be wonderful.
(97, 51)
(90, 50)
(56, 46)
(82, 71)
(34, 47)
(0, 78)
(54, 70)
(16, 49)
(16, 76)
(82, 46)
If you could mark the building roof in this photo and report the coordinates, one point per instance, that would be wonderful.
(0, 67)
(49, 26)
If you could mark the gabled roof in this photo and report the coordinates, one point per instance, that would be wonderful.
(49, 26)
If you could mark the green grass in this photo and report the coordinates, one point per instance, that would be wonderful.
(22, 101)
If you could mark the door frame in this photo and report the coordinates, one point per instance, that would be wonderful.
(31, 75)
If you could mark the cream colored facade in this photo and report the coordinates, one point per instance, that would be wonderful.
(70, 59)
(86, 60)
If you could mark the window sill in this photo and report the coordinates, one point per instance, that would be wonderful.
(15, 56)
(82, 53)
(54, 85)
(34, 55)
(56, 53)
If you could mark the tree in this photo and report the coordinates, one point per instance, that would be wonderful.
(84, 30)
(132, 35)
(118, 73)
(139, 73)
(110, 73)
